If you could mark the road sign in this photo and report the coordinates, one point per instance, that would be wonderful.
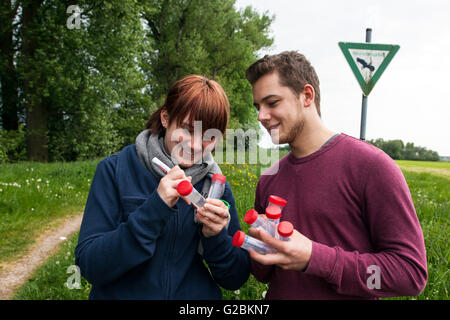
(368, 61)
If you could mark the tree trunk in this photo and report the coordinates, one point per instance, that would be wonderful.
(36, 112)
(8, 74)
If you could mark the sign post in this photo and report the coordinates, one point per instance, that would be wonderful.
(362, 131)
(367, 61)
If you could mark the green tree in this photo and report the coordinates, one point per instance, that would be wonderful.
(397, 150)
(86, 91)
(75, 79)
(8, 75)
(211, 38)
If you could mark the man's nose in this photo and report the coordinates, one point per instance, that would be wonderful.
(263, 114)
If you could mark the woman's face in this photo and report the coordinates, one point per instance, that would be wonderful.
(186, 144)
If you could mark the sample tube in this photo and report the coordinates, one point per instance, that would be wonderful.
(277, 201)
(273, 214)
(185, 189)
(241, 240)
(252, 218)
(285, 230)
(217, 186)
(161, 165)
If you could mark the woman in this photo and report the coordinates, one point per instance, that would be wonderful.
(138, 238)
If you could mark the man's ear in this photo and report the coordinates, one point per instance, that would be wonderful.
(309, 93)
(164, 117)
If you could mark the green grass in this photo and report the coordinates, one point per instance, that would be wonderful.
(49, 281)
(424, 164)
(34, 195)
(431, 196)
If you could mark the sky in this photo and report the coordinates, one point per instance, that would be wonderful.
(411, 99)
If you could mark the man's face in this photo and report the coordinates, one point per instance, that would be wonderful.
(279, 109)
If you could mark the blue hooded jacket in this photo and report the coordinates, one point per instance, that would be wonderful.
(133, 246)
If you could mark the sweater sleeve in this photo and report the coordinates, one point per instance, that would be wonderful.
(398, 266)
(107, 248)
(261, 272)
(229, 265)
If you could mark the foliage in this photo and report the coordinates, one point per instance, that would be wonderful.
(12, 145)
(210, 38)
(83, 91)
(397, 150)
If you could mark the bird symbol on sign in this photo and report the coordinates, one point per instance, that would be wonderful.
(365, 64)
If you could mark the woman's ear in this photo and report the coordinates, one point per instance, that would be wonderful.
(164, 117)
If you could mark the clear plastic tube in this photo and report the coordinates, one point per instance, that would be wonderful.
(161, 165)
(253, 219)
(277, 201)
(285, 230)
(217, 186)
(241, 240)
(186, 190)
(273, 214)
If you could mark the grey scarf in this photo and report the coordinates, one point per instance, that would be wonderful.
(149, 146)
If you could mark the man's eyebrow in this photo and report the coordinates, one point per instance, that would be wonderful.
(265, 98)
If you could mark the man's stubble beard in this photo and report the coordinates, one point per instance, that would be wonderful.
(294, 132)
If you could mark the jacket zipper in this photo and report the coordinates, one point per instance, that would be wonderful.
(169, 258)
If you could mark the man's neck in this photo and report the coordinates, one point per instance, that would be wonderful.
(310, 139)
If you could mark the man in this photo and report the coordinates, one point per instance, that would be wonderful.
(356, 235)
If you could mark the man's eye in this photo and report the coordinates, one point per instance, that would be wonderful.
(273, 103)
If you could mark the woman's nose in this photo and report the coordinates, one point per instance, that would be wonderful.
(197, 142)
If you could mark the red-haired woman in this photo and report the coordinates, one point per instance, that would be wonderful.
(138, 238)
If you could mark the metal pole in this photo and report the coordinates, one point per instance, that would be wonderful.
(362, 133)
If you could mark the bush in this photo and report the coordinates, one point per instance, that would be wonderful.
(13, 145)
(397, 150)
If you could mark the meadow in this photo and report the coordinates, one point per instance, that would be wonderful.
(35, 196)
(70, 181)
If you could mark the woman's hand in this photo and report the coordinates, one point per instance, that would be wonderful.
(214, 215)
(167, 188)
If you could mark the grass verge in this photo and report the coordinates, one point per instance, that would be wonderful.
(430, 193)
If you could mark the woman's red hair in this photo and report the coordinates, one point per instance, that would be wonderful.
(197, 97)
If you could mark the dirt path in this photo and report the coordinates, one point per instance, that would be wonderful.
(15, 273)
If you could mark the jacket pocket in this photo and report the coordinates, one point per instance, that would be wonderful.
(130, 204)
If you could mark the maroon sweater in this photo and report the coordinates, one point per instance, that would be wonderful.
(352, 201)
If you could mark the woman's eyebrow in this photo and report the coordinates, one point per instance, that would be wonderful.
(187, 125)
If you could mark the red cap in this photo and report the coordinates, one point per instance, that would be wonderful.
(251, 216)
(285, 229)
(238, 239)
(273, 212)
(277, 200)
(219, 177)
(184, 188)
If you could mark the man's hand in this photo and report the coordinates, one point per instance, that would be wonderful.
(167, 188)
(291, 255)
(214, 215)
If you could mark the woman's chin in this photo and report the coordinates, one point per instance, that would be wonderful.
(185, 163)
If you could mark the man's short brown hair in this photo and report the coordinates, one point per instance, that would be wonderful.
(294, 70)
